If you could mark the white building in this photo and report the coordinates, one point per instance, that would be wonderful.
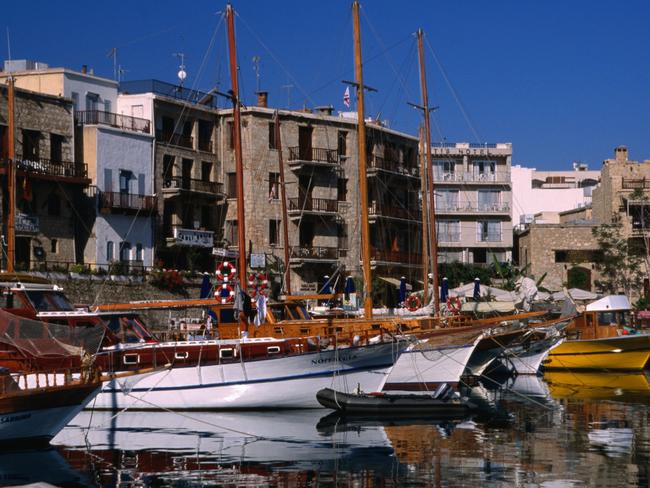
(536, 191)
(118, 150)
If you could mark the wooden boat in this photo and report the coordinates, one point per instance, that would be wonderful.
(378, 404)
(600, 338)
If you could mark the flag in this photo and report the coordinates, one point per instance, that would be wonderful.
(346, 97)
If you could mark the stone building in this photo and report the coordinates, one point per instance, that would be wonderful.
(50, 184)
(473, 201)
(321, 171)
(186, 169)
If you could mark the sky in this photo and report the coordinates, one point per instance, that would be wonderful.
(563, 81)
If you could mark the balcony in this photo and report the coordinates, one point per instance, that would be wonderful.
(177, 184)
(453, 237)
(313, 206)
(174, 139)
(118, 121)
(397, 213)
(472, 209)
(494, 237)
(395, 258)
(635, 184)
(391, 166)
(300, 254)
(300, 157)
(115, 202)
(499, 177)
(47, 169)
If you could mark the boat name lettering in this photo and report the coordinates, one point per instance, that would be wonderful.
(347, 357)
(14, 418)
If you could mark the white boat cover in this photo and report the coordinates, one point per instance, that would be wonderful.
(575, 293)
(488, 307)
(610, 302)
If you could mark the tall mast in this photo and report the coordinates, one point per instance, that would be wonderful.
(11, 179)
(425, 219)
(363, 161)
(239, 165)
(283, 197)
(432, 201)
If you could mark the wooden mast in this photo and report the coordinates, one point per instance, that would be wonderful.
(11, 178)
(239, 165)
(433, 239)
(363, 161)
(425, 218)
(283, 198)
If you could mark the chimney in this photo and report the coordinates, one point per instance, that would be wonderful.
(262, 99)
(621, 154)
(84, 68)
(325, 110)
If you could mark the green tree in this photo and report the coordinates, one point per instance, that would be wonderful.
(619, 265)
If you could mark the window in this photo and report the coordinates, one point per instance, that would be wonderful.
(230, 127)
(125, 252)
(488, 200)
(108, 180)
(110, 256)
(206, 213)
(448, 230)
(75, 101)
(53, 205)
(54, 246)
(274, 186)
(272, 141)
(446, 199)
(231, 185)
(107, 106)
(206, 170)
(56, 148)
(139, 254)
(444, 169)
(342, 145)
(488, 231)
(231, 232)
(485, 170)
(205, 135)
(577, 256)
(92, 100)
(274, 232)
(31, 142)
(125, 180)
(341, 189)
(168, 167)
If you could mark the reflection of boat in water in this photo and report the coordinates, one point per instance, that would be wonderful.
(614, 438)
(599, 339)
(45, 466)
(599, 385)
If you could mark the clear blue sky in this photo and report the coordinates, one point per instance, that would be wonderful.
(561, 80)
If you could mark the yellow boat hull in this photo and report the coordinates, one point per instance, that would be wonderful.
(598, 385)
(613, 353)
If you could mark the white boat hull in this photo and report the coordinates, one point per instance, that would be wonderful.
(530, 362)
(284, 382)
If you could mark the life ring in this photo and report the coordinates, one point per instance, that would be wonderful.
(258, 283)
(225, 293)
(226, 271)
(412, 303)
(454, 305)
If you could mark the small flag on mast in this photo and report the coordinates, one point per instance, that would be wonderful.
(346, 97)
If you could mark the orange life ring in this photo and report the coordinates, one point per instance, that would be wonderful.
(225, 293)
(413, 302)
(226, 271)
(454, 305)
(258, 283)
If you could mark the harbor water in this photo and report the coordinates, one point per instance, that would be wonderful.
(566, 429)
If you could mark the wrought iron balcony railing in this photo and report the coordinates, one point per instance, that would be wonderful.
(124, 122)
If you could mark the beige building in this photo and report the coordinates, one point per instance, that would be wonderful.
(50, 184)
(473, 201)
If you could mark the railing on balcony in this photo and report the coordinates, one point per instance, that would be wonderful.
(313, 205)
(314, 154)
(494, 237)
(50, 168)
(124, 122)
(469, 177)
(449, 237)
(635, 184)
(175, 139)
(398, 257)
(395, 212)
(126, 201)
(393, 166)
(205, 146)
(314, 252)
(191, 184)
(472, 208)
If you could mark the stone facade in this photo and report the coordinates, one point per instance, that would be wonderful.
(49, 193)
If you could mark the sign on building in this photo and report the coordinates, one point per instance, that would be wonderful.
(196, 238)
(224, 253)
(26, 223)
(258, 261)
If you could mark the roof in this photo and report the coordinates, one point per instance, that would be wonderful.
(610, 302)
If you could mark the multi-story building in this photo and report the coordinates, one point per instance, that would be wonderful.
(536, 191)
(322, 181)
(49, 183)
(187, 169)
(117, 150)
(473, 201)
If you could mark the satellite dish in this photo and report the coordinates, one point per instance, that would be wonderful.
(182, 75)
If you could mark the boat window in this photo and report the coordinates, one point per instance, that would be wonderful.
(131, 358)
(278, 313)
(623, 318)
(273, 349)
(227, 316)
(606, 318)
(12, 300)
(226, 353)
(49, 301)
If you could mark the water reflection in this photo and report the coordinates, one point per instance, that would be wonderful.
(27, 466)
(570, 429)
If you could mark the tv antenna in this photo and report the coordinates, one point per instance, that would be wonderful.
(113, 54)
(182, 74)
(256, 67)
(121, 71)
(288, 88)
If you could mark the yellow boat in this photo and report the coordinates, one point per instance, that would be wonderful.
(598, 385)
(600, 339)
